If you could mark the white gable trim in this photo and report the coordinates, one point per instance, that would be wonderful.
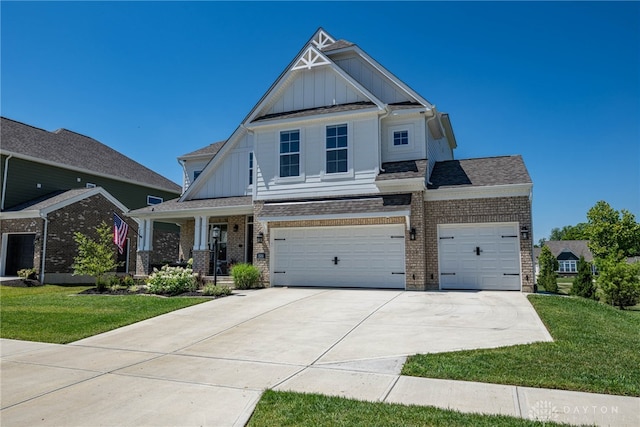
(322, 39)
(310, 58)
(489, 191)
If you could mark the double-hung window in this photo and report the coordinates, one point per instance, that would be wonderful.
(337, 146)
(250, 167)
(289, 153)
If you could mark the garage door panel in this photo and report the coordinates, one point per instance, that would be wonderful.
(367, 256)
(496, 266)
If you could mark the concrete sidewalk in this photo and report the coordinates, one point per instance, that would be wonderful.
(208, 364)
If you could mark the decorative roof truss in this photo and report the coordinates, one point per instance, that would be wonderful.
(310, 58)
(322, 39)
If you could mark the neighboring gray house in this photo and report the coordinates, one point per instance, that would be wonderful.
(56, 183)
(342, 175)
(567, 252)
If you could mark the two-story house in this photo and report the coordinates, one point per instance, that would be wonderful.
(342, 175)
(57, 183)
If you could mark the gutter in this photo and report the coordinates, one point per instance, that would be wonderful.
(4, 180)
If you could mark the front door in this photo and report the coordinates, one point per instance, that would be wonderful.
(222, 249)
(20, 248)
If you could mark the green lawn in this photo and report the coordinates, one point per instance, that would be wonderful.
(596, 349)
(277, 408)
(57, 314)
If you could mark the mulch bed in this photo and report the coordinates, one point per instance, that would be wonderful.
(21, 283)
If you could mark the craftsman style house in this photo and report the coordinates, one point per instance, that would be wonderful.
(342, 175)
(57, 183)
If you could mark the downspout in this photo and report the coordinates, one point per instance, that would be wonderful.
(426, 134)
(4, 180)
(185, 177)
(43, 254)
(384, 116)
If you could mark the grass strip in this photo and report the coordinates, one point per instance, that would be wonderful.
(57, 314)
(596, 349)
(279, 408)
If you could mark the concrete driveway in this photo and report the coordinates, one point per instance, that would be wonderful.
(208, 364)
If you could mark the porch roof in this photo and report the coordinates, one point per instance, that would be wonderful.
(175, 209)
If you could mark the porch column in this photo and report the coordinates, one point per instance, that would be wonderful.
(145, 246)
(200, 245)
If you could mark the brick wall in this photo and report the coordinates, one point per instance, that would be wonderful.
(502, 209)
(166, 246)
(236, 239)
(27, 225)
(187, 231)
(415, 261)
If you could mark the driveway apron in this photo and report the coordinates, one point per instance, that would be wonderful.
(208, 364)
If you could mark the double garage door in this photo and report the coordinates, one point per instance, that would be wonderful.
(479, 256)
(369, 256)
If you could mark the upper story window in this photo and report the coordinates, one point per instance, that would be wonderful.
(251, 168)
(90, 185)
(153, 200)
(289, 153)
(400, 137)
(196, 174)
(337, 143)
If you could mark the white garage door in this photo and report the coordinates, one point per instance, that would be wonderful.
(479, 256)
(355, 256)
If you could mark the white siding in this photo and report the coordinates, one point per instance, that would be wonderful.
(376, 83)
(231, 176)
(416, 149)
(190, 167)
(317, 87)
(439, 151)
(363, 162)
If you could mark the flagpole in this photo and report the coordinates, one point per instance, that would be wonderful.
(115, 213)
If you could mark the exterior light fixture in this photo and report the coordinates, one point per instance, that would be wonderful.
(524, 232)
(412, 233)
(235, 228)
(260, 237)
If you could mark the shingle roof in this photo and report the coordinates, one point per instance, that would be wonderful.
(175, 205)
(339, 44)
(353, 205)
(76, 151)
(211, 149)
(479, 172)
(49, 200)
(577, 247)
(318, 110)
(402, 170)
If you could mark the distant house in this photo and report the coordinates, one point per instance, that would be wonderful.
(342, 175)
(57, 183)
(567, 252)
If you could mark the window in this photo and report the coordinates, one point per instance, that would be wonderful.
(90, 185)
(153, 200)
(337, 142)
(289, 153)
(251, 168)
(400, 137)
(196, 174)
(569, 266)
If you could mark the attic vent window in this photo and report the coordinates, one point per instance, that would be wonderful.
(153, 200)
(90, 185)
(196, 174)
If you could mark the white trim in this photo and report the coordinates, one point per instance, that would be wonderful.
(401, 127)
(350, 172)
(190, 213)
(399, 185)
(149, 196)
(403, 213)
(301, 174)
(300, 121)
(489, 191)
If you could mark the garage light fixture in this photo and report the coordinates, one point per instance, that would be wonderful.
(260, 237)
(412, 233)
(524, 232)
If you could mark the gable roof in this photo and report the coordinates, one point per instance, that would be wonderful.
(51, 202)
(479, 172)
(209, 150)
(577, 247)
(71, 150)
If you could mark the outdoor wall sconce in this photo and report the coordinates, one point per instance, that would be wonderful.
(412, 233)
(235, 228)
(524, 232)
(260, 237)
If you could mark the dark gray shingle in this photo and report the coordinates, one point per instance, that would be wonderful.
(479, 172)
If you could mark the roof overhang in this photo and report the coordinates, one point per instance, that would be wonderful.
(181, 215)
(276, 122)
(485, 192)
(401, 185)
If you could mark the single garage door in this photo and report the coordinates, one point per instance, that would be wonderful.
(479, 256)
(354, 256)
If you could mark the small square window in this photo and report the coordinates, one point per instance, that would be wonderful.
(400, 137)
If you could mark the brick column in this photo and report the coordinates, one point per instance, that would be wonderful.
(260, 248)
(142, 263)
(415, 260)
(201, 262)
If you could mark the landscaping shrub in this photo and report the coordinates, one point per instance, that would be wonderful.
(245, 276)
(27, 273)
(620, 282)
(548, 278)
(171, 281)
(212, 290)
(583, 285)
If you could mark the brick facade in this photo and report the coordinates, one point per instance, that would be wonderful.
(27, 225)
(471, 211)
(166, 245)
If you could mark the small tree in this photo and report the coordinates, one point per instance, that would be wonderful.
(548, 276)
(95, 257)
(620, 282)
(583, 285)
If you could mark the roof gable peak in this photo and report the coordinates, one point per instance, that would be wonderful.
(311, 57)
(321, 39)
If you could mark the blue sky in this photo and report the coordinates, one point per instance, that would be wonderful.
(558, 82)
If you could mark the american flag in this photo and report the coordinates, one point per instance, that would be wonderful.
(120, 230)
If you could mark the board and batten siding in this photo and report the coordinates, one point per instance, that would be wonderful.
(318, 87)
(231, 176)
(24, 176)
(371, 79)
(192, 166)
(416, 149)
(439, 150)
(313, 182)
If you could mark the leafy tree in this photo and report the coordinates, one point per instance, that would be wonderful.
(570, 232)
(620, 282)
(548, 277)
(583, 285)
(612, 233)
(95, 257)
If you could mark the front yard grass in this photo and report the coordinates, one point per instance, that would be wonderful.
(596, 349)
(57, 314)
(279, 408)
